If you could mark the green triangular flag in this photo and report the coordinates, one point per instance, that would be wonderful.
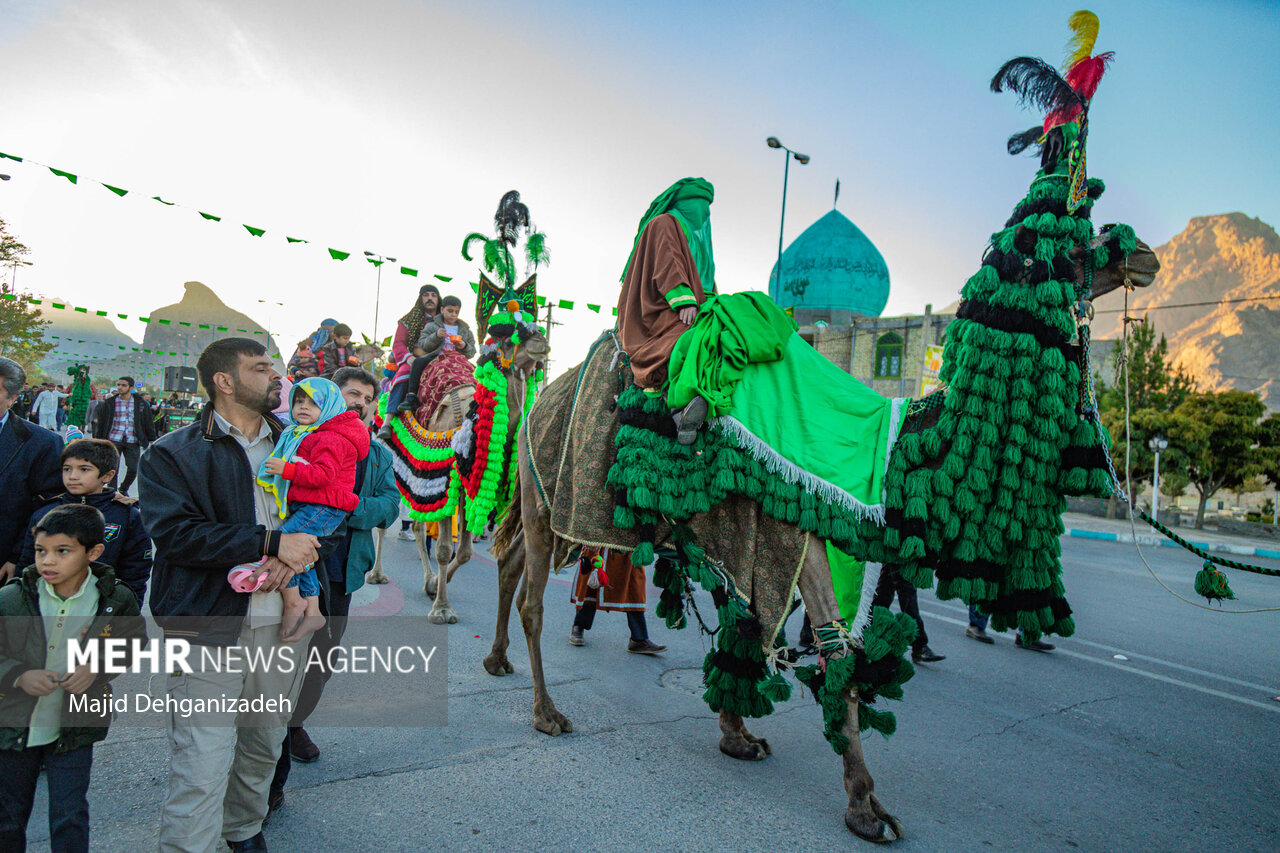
(61, 174)
(201, 325)
(10, 157)
(257, 232)
(542, 300)
(615, 312)
(407, 271)
(166, 322)
(57, 305)
(209, 216)
(10, 296)
(83, 310)
(447, 278)
(475, 288)
(595, 308)
(117, 190)
(123, 316)
(34, 301)
(297, 240)
(375, 263)
(567, 304)
(222, 328)
(162, 201)
(339, 256)
(100, 313)
(183, 323)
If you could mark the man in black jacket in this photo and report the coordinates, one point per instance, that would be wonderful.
(206, 513)
(126, 421)
(29, 467)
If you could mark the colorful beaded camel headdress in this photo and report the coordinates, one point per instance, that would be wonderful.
(501, 306)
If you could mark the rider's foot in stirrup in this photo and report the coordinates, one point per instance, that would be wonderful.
(410, 403)
(689, 420)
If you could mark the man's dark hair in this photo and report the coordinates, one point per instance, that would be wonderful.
(450, 300)
(81, 522)
(98, 452)
(355, 374)
(342, 330)
(223, 356)
(12, 376)
(128, 379)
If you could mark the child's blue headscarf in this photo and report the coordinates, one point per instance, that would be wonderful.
(325, 395)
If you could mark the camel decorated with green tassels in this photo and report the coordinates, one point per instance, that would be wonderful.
(973, 491)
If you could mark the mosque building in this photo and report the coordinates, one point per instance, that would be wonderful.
(836, 284)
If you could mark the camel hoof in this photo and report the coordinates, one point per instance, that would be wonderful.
(430, 587)
(498, 665)
(442, 616)
(552, 723)
(744, 750)
(873, 823)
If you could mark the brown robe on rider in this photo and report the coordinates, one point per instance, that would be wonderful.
(648, 324)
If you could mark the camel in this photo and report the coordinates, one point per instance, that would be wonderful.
(522, 362)
(527, 549)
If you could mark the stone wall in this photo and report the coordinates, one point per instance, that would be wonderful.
(1249, 528)
(852, 347)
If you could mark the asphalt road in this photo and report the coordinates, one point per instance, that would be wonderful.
(1156, 727)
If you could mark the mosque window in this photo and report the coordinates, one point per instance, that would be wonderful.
(889, 356)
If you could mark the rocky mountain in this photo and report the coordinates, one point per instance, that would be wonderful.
(189, 325)
(1217, 299)
(78, 337)
(183, 328)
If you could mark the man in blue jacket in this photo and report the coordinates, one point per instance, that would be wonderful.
(29, 467)
(344, 569)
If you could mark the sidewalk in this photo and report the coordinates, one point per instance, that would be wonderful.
(1084, 526)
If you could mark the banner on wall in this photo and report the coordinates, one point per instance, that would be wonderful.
(929, 381)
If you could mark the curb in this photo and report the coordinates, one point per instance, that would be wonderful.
(1160, 541)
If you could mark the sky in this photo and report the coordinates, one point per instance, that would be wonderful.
(395, 126)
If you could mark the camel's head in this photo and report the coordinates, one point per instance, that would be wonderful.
(522, 346)
(368, 353)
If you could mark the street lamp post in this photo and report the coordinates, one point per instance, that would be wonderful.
(377, 302)
(1157, 444)
(269, 318)
(773, 142)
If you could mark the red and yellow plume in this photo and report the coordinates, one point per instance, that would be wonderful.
(1083, 71)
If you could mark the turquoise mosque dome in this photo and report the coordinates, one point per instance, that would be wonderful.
(832, 267)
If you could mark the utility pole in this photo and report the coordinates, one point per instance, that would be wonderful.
(549, 322)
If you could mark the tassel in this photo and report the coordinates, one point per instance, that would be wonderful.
(1212, 583)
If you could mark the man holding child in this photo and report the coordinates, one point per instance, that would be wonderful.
(207, 513)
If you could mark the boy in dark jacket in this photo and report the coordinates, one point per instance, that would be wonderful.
(338, 352)
(66, 594)
(88, 467)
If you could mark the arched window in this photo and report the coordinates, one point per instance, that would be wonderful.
(889, 356)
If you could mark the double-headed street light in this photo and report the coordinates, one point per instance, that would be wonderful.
(377, 302)
(1157, 444)
(773, 142)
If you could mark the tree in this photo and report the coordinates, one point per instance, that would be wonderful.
(1218, 433)
(21, 326)
(1155, 390)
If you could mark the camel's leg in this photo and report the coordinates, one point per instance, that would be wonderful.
(441, 613)
(375, 574)
(738, 742)
(864, 816)
(510, 570)
(537, 566)
(463, 554)
(443, 551)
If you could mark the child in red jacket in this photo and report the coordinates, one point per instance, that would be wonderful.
(312, 472)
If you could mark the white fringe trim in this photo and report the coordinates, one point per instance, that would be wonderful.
(897, 416)
(861, 619)
(778, 464)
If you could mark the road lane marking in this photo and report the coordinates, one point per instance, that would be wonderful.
(1265, 688)
(1177, 682)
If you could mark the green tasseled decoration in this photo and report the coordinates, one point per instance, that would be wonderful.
(661, 478)
(1212, 583)
(878, 669)
(775, 688)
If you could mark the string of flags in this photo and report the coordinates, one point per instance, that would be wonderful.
(255, 231)
(133, 349)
